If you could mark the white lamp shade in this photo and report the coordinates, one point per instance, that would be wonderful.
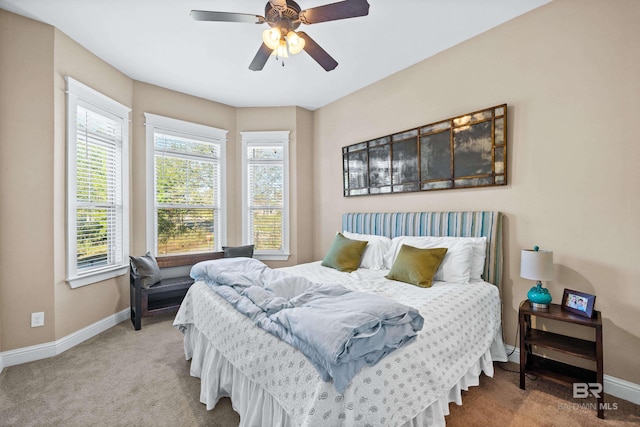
(281, 51)
(295, 42)
(536, 265)
(271, 37)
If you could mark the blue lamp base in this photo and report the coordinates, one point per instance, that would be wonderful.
(539, 297)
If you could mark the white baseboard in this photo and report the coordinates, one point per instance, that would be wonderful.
(50, 349)
(614, 386)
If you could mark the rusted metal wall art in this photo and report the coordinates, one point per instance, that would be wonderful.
(461, 152)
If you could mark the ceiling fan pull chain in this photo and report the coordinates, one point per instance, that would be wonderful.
(278, 58)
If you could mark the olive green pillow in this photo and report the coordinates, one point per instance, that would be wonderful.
(416, 266)
(344, 254)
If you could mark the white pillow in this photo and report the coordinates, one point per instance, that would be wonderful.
(456, 265)
(479, 252)
(479, 255)
(377, 247)
(479, 245)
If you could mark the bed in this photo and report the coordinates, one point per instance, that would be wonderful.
(271, 383)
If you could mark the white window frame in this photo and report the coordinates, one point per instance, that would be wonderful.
(79, 94)
(268, 138)
(186, 129)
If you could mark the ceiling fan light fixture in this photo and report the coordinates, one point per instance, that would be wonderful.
(295, 42)
(281, 50)
(272, 37)
(284, 17)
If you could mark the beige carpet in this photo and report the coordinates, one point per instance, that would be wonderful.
(140, 378)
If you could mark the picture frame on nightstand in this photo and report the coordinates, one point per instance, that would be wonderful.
(577, 302)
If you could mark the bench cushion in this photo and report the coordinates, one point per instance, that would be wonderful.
(171, 284)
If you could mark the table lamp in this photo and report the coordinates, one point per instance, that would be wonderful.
(537, 265)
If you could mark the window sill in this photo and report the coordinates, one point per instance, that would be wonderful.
(98, 276)
(272, 257)
(165, 261)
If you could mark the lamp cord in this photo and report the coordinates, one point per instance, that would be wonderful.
(502, 365)
(515, 341)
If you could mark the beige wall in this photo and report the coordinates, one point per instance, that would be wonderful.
(156, 100)
(300, 122)
(569, 73)
(76, 308)
(567, 70)
(26, 187)
(302, 187)
(34, 59)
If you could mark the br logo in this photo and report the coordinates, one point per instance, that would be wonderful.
(582, 390)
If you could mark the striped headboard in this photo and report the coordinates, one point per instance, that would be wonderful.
(455, 224)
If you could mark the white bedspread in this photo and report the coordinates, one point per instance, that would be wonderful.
(462, 325)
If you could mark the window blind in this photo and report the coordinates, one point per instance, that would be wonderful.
(187, 193)
(265, 179)
(98, 191)
(97, 186)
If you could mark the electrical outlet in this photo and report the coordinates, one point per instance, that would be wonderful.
(37, 319)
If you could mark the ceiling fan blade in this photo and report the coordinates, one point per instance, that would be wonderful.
(334, 11)
(316, 52)
(261, 58)
(205, 15)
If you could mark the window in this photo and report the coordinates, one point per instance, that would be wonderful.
(97, 186)
(186, 186)
(265, 201)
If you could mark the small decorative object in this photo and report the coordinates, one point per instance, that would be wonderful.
(537, 265)
(578, 303)
(460, 152)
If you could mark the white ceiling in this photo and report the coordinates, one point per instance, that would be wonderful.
(156, 41)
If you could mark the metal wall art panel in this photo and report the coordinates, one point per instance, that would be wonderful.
(460, 152)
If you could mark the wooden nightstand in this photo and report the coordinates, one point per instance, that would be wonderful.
(561, 373)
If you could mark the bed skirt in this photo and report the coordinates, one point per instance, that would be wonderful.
(257, 408)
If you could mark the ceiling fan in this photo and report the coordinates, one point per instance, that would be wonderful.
(284, 17)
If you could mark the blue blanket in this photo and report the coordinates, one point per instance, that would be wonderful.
(339, 330)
